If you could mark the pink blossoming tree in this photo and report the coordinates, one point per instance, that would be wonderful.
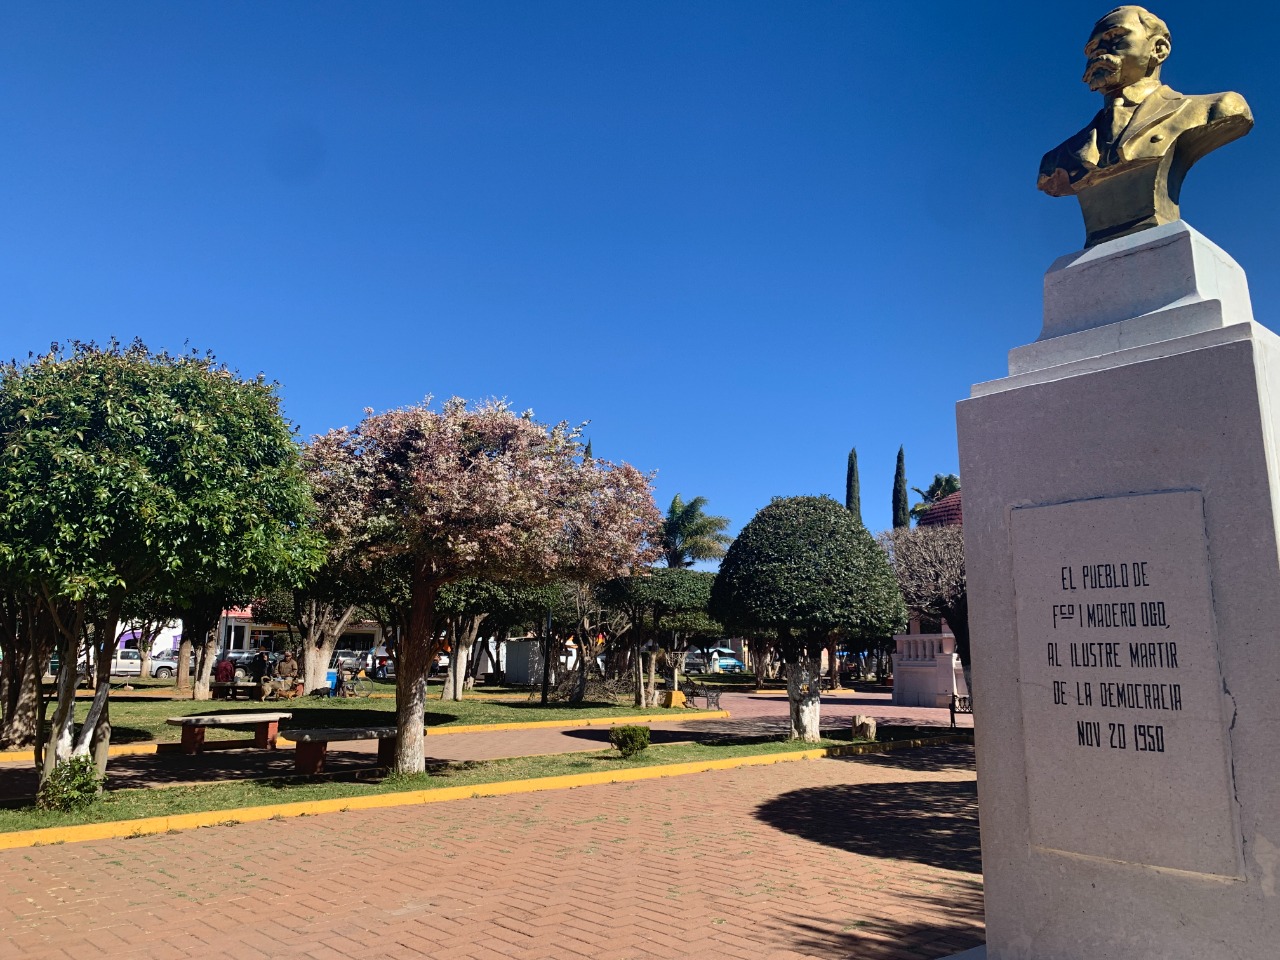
(485, 492)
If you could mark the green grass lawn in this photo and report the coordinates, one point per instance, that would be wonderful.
(164, 801)
(143, 719)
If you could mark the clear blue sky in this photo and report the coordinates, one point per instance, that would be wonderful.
(738, 237)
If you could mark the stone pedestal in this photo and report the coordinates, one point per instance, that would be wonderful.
(1121, 490)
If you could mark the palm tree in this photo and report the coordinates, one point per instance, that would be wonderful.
(689, 534)
(944, 484)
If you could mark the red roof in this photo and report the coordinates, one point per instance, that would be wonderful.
(946, 512)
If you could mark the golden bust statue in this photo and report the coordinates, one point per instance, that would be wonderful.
(1127, 165)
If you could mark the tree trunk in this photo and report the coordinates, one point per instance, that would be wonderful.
(22, 703)
(833, 666)
(100, 741)
(321, 630)
(651, 685)
(637, 677)
(413, 663)
(184, 662)
(480, 649)
(316, 656)
(411, 701)
(95, 734)
(805, 699)
(206, 654)
(463, 639)
(60, 743)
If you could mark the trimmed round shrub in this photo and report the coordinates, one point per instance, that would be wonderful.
(629, 740)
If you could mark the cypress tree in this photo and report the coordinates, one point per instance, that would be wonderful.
(901, 511)
(586, 453)
(852, 490)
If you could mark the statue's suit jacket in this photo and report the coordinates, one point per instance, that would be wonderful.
(1196, 124)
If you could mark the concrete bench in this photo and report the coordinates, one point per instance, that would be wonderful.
(266, 726)
(314, 744)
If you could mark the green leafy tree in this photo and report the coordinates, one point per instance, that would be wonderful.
(805, 568)
(126, 470)
(901, 511)
(852, 488)
(660, 604)
(943, 485)
(468, 607)
(690, 534)
(488, 493)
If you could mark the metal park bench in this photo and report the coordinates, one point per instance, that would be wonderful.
(691, 690)
(960, 705)
(266, 726)
(314, 744)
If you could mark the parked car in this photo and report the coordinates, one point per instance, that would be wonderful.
(243, 660)
(722, 658)
(127, 663)
(164, 665)
(348, 659)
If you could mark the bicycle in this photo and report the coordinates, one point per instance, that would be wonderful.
(353, 684)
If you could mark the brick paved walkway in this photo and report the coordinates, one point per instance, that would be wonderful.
(873, 858)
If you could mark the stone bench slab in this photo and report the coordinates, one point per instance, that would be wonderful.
(330, 736)
(228, 720)
(314, 744)
(266, 728)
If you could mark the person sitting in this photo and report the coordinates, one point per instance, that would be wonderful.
(224, 671)
(287, 673)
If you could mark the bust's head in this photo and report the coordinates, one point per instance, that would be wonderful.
(1127, 45)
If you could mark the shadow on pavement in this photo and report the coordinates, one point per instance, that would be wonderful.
(957, 925)
(950, 757)
(929, 823)
(601, 736)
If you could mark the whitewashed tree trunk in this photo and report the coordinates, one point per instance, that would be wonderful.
(415, 653)
(60, 743)
(321, 630)
(411, 702)
(651, 685)
(464, 638)
(204, 667)
(803, 692)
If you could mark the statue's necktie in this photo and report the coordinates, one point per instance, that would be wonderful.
(1116, 118)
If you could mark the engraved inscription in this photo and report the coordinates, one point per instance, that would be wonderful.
(1121, 694)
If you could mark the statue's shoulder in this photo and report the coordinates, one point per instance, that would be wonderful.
(1078, 143)
(1214, 106)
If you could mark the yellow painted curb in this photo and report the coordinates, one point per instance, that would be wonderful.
(118, 829)
(119, 750)
(133, 749)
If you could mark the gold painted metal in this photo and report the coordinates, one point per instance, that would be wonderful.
(1127, 166)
